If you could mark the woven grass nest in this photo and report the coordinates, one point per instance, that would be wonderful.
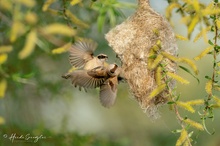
(132, 41)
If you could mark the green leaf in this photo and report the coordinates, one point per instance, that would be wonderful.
(204, 125)
(101, 19)
(152, 56)
(210, 42)
(119, 13)
(212, 17)
(212, 28)
(190, 134)
(29, 75)
(188, 71)
(178, 97)
(112, 16)
(207, 77)
(171, 102)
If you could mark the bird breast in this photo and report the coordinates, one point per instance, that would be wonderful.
(91, 64)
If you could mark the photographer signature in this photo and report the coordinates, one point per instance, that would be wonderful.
(28, 137)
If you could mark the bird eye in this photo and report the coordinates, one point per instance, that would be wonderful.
(102, 57)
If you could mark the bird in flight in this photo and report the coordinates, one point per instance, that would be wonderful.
(104, 77)
(92, 72)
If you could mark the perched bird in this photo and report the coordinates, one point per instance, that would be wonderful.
(104, 77)
(81, 55)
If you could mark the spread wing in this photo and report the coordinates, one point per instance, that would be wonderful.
(82, 79)
(108, 92)
(81, 52)
(98, 72)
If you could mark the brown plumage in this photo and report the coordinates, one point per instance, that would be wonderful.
(81, 55)
(104, 77)
(108, 92)
(108, 89)
(81, 78)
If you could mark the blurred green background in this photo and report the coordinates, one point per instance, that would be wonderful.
(38, 102)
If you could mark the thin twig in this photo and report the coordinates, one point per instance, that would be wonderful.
(178, 116)
(214, 56)
(65, 15)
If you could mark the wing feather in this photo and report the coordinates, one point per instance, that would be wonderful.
(108, 93)
(82, 79)
(81, 52)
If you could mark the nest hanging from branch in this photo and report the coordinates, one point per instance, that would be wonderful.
(133, 41)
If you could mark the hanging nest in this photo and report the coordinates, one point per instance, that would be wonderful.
(133, 42)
